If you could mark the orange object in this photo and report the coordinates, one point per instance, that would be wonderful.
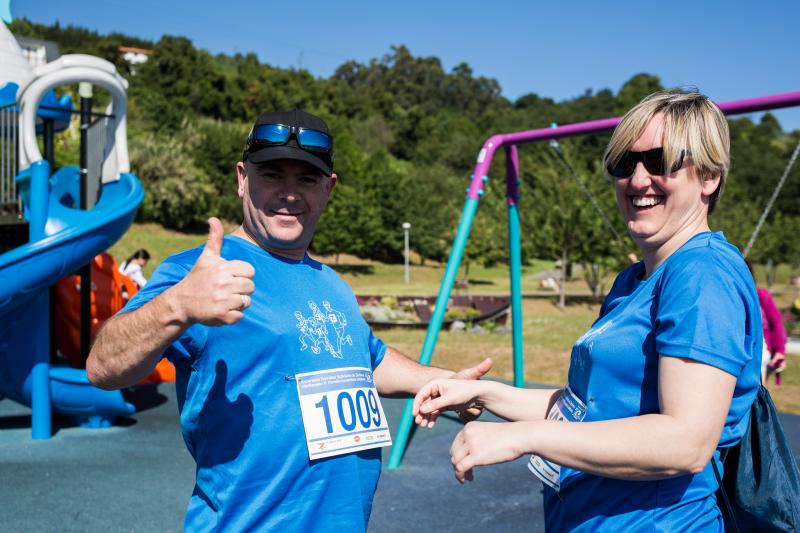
(110, 292)
(164, 371)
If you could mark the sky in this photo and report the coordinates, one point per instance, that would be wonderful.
(729, 50)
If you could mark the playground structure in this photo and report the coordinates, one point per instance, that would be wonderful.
(73, 213)
(509, 142)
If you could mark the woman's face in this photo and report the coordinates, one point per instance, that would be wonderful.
(663, 212)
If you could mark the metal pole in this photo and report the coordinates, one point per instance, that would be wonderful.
(48, 141)
(15, 160)
(515, 261)
(5, 177)
(406, 227)
(40, 339)
(435, 325)
(85, 90)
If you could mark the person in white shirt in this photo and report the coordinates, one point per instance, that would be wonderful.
(132, 267)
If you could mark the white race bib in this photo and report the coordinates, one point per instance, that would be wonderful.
(568, 408)
(342, 412)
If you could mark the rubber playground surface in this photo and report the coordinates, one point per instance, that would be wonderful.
(138, 477)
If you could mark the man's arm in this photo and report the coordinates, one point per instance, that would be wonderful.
(399, 376)
(130, 345)
(215, 293)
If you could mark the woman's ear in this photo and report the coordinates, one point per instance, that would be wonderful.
(711, 184)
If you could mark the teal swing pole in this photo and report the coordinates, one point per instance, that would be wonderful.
(474, 192)
(435, 325)
(515, 260)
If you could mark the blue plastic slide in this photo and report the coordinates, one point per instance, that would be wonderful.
(62, 240)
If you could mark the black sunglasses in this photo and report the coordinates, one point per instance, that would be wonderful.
(279, 134)
(653, 161)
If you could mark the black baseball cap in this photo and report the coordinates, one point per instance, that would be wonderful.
(296, 118)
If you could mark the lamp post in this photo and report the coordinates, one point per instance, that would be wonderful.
(406, 227)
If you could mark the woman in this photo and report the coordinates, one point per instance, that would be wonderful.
(667, 373)
(774, 336)
(773, 358)
(132, 267)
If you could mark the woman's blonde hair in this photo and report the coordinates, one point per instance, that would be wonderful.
(692, 122)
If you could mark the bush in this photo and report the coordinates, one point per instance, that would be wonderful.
(461, 313)
(178, 194)
(218, 147)
(390, 302)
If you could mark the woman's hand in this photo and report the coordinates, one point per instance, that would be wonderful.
(488, 443)
(446, 394)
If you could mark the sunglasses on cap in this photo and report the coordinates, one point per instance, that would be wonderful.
(279, 134)
(653, 161)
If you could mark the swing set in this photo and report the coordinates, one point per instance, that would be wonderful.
(509, 143)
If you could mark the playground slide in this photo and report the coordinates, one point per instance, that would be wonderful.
(69, 239)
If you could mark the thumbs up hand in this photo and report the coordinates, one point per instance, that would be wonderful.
(216, 291)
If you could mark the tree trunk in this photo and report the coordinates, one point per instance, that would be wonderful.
(591, 274)
(598, 286)
(337, 258)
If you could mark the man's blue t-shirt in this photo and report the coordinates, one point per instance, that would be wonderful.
(699, 304)
(239, 409)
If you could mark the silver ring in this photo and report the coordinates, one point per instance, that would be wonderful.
(244, 301)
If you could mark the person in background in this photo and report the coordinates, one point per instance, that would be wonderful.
(132, 267)
(774, 335)
(773, 358)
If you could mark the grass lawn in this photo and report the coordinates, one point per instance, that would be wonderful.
(160, 242)
(549, 331)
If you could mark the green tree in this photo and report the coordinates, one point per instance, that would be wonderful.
(216, 148)
(178, 192)
(350, 224)
(635, 89)
(407, 132)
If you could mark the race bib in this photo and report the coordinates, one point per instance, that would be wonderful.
(342, 412)
(568, 408)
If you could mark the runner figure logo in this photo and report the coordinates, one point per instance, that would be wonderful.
(315, 330)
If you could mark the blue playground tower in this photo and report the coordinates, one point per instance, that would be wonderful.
(72, 213)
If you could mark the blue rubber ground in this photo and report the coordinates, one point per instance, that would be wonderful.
(138, 477)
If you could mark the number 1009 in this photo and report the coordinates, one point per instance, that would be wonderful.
(364, 410)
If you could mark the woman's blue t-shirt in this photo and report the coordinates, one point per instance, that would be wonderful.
(699, 304)
(239, 410)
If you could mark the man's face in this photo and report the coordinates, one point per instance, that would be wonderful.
(282, 202)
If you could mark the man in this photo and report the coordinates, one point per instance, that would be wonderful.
(248, 415)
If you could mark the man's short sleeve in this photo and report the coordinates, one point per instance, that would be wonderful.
(165, 276)
(702, 315)
(377, 349)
